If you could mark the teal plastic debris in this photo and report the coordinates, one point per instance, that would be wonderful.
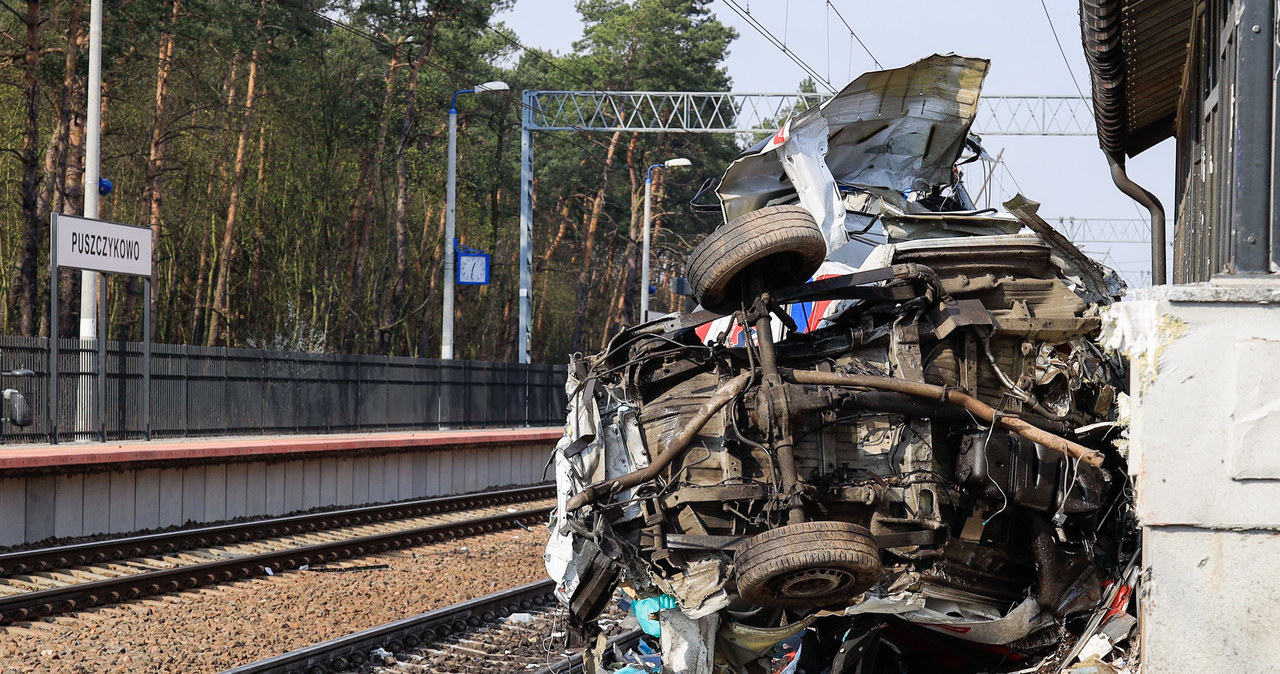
(646, 610)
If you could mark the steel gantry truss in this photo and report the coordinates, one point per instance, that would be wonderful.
(746, 112)
(1104, 230)
(730, 112)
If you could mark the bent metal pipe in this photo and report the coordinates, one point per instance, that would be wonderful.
(954, 397)
(735, 386)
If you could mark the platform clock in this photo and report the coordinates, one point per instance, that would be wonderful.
(473, 268)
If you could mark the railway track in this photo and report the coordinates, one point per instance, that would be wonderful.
(575, 664)
(38, 583)
(474, 636)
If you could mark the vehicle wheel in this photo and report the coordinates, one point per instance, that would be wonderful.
(808, 565)
(781, 245)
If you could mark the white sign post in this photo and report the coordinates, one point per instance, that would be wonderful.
(110, 248)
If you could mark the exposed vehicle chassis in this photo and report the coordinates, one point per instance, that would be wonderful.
(927, 477)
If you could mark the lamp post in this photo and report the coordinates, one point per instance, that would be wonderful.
(86, 393)
(451, 193)
(644, 255)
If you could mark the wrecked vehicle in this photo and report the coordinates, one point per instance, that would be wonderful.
(904, 464)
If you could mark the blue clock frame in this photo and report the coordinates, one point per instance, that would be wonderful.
(472, 253)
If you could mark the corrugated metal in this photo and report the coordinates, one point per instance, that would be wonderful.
(1155, 41)
(1136, 51)
(1100, 28)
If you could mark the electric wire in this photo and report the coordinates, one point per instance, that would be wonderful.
(827, 34)
(1065, 60)
(1005, 167)
(780, 44)
(786, 22)
(986, 460)
(550, 64)
(854, 35)
(848, 70)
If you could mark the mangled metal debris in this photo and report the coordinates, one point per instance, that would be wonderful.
(905, 464)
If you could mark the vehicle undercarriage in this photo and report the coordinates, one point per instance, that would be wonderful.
(906, 463)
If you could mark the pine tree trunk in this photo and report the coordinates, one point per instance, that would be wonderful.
(544, 266)
(624, 304)
(204, 274)
(400, 233)
(359, 227)
(362, 210)
(433, 274)
(72, 198)
(259, 292)
(393, 305)
(588, 248)
(52, 194)
(219, 328)
(61, 159)
(27, 283)
(150, 215)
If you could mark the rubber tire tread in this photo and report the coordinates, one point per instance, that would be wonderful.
(754, 237)
(804, 546)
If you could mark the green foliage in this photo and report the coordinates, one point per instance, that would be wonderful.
(314, 246)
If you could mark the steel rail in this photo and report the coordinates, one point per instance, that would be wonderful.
(27, 605)
(352, 651)
(98, 552)
(576, 664)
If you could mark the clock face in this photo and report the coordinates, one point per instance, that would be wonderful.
(473, 269)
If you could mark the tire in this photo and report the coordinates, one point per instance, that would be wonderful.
(808, 565)
(780, 245)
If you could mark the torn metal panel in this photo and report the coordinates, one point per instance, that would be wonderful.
(902, 129)
(802, 161)
(1100, 283)
(688, 643)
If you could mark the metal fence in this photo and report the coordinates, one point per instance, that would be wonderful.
(203, 391)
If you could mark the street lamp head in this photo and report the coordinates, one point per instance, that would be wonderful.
(496, 85)
(670, 163)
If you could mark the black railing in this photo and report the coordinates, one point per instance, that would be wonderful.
(203, 391)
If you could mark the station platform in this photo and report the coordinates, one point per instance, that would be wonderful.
(16, 457)
(119, 488)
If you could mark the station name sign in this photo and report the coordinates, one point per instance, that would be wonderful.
(102, 246)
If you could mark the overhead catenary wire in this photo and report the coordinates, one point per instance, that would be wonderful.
(1005, 167)
(1065, 60)
(786, 22)
(848, 71)
(577, 78)
(780, 44)
(827, 34)
(854, 34)
(536, 53)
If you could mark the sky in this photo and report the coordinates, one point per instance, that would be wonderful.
(1067, 175)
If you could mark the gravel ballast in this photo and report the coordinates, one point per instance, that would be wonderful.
(217, 628)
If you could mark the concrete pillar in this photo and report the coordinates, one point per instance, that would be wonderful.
(1205, 459)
